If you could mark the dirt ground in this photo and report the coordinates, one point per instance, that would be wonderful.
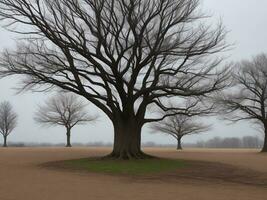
(22, 177)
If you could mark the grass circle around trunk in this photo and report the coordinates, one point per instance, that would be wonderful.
(127, 167)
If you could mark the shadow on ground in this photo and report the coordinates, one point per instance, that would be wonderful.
(205, 172)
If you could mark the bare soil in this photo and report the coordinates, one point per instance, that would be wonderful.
(214, 174)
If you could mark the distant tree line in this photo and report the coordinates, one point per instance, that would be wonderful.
(246, 142)
(251, 142)
(60, 144)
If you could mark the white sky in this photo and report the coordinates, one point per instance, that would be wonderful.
(246, 21)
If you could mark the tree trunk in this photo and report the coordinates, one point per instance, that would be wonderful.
(5, 141)
(179, 144)
(264, 148)
(68, 138)
(127, 140)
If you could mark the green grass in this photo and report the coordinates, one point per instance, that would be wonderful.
(131, 167)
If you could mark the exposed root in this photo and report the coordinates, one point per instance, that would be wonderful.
(125, 155)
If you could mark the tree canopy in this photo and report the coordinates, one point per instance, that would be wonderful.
(124, 56)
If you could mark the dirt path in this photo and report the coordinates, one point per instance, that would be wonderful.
(21, 177)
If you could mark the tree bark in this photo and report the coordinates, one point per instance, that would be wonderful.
(5, 141)
(68, 138)
(264, 148)
(127, 140)
(179, 144)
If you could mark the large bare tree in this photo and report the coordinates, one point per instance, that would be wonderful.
(64, 110)
(179, 126)
(124, 56)
(248, 98)
(8, 120)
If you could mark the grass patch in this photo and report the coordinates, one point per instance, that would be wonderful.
(131, 167)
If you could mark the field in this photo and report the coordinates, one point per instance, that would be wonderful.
(211, 174)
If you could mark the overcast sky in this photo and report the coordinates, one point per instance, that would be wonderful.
(246, 21)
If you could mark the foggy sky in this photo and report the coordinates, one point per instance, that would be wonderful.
(246, 21)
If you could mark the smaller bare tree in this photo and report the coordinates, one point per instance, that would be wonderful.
(64, 110)
(8, 120)
(179, 126)
(248, 99)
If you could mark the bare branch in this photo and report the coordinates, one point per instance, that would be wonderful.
(248, 99)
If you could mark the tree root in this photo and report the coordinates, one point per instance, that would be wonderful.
(126, 155)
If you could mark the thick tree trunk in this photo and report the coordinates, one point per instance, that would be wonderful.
(264, 148)
(127, 140)
(5, 141)
(179, 144)
(68, 138)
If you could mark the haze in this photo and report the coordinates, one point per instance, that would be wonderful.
(246, 22)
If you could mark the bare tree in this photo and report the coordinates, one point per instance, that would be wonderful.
(179, 126)
(248, 99)
(124, 56)
(64, 110)
(8, 120)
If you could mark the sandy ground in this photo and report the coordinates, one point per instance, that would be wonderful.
(22, 177)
